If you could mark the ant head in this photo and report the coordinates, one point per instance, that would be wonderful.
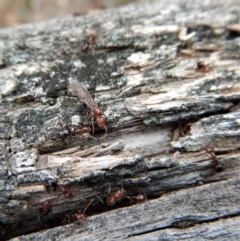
(200, 64)
(219, 168)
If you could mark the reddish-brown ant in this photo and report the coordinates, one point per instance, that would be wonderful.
(80, 90)
(77, 215)
(116, 196)
(202, 67)
(211, 152)
(91, 41)
(81, 131)
(45, 208)
(53, 183)
(75, 132)
(81, 215)
(67, 132)
(65, 191)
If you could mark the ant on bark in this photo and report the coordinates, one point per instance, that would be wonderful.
(66, 132)
(65, 191)
(211, 152)
(45, 208)
(77, 215)
(204, 68)
(53, 183)
(116, 196)
(80, 90)
(90, 41)
(121, 194)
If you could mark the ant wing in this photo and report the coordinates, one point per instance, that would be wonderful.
(80, 90)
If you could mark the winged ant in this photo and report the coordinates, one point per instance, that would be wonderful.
(80, 90)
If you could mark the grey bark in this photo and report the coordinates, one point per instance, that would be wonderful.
(161, 114)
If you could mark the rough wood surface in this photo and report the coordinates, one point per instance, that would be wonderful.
(162, 112)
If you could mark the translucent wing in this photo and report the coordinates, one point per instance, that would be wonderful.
(80, 90)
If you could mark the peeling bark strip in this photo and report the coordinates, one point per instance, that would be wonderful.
(166, 75)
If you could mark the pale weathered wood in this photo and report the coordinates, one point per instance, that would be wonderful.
(161, 113)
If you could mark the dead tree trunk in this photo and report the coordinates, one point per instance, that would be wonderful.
(166, 75)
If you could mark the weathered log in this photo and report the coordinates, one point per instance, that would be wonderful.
(166, 75)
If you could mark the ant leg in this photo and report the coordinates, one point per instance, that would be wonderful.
(131, 201)
(39, 216)
(88, 205)
(92, 124)
(143, 193)
(93, 138)
(180, 129)
(87, 120)
(100, 199)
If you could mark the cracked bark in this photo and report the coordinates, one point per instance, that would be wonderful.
(161, 113)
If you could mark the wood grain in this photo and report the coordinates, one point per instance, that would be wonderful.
(161, 110)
